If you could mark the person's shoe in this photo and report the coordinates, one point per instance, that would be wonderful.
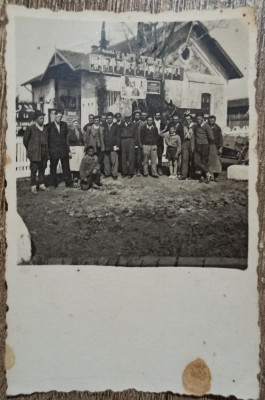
(159, 171)
(124, 176)
(34, 190)
(207, 180)
(130, 176)
(155, 176)
(170, 177)
(43, 188)
(145, 176)
(182, 178)
(139, 173)
(115, 178)
(201, 179)
(216, 179)
(99, 184)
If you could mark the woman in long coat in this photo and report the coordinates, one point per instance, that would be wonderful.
(76, 143)
(216, 149)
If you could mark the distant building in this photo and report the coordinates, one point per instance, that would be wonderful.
(238, 113)
(188, 67)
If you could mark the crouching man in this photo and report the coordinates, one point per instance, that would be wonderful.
(36, 142)
(89, 169)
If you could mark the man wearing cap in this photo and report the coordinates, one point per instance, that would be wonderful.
(119, 122)
(187, 168)
(127, 134)
(36, 142)
(117, 116)
(149, 138)
(111, 140)
(160, 144)
(203, 138)
(59, 149)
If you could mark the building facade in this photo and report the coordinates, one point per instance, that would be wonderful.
(188, 70)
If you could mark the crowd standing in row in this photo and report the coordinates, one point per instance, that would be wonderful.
(132, 145)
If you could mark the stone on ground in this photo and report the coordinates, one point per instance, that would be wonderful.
(238, 172)
(23, 242)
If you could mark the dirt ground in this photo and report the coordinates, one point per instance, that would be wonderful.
(135, 218)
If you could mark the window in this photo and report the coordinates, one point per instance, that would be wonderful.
(112, 97)
(206, 103)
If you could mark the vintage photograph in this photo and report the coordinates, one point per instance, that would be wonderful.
(132, 143)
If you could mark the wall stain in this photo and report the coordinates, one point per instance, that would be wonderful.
(8, 159)
(196, 378)
(9, 358)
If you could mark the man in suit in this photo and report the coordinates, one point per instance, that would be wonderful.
(118, 69)
(150, 73)
(111, 143)
(176, 75)
(107, 67)
(36, 142)
(167, 73)
(139, 70)
(59, 149)
(160, 143)
(95, 66)
(130, 70)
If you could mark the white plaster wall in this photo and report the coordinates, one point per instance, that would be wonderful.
(187, 94)
(46, 90)
(88, 96)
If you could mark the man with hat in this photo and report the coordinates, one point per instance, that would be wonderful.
(111, 143)
(36, 142)
(117, 117)
(59, 148)
(203, 138)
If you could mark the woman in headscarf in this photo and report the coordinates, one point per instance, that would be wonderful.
(76, 143)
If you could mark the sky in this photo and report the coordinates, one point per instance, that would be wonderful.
(35, 45)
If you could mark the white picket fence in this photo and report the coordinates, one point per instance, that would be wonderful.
(22, 163)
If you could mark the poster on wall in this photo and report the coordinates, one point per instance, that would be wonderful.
(133, 88)
(95, 61)
(153, 87)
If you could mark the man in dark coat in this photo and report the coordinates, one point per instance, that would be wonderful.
(138, 151)
(111, 139)
(203, 139)
(127, 133)
(59, 149)
(36, 142)
(160, 144)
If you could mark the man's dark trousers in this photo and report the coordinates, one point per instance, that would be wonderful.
(36, 166)
(186, 158)
(138, 159)
(201, 157)
(160, 151)
(127, 156)
(65, 168)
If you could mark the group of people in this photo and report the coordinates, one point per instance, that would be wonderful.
(131, 144)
